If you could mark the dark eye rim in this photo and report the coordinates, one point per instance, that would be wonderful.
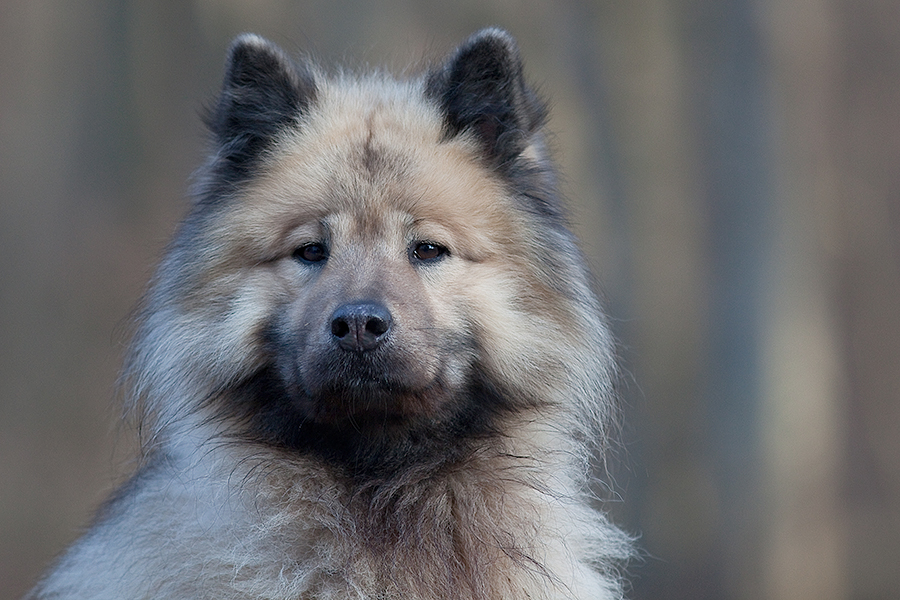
(311, 253)
(432, 252)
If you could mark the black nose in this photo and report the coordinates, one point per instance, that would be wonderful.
(360, 326)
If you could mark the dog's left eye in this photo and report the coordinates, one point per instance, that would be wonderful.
(428, 251)
(311, 253)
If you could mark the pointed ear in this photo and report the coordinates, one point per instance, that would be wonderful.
(263, 92)
(481, 89)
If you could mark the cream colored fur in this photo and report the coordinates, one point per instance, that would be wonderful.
(219, 518)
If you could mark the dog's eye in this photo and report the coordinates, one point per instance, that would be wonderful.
(311, 253)
(428, 251)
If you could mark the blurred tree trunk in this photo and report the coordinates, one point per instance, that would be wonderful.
(834, 488)
(804, 551)
(865, 139)
(689, 102)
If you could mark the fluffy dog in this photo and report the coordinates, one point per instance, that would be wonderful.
(370, 364)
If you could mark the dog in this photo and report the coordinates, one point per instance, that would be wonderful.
(371, 364)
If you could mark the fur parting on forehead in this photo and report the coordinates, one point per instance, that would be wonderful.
(358, 156)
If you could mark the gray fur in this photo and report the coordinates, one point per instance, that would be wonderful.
(447, 459)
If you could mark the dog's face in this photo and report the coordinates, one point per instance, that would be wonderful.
(382, 232)
(393, 260)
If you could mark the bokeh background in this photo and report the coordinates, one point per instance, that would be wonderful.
(734, 169)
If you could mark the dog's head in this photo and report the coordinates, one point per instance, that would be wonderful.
(372, 258)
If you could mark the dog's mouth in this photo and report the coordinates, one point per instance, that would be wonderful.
(374, 402)
(383, 386)
(372, 426)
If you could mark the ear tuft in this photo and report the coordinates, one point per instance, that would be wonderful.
(263, 92)
(481, 89)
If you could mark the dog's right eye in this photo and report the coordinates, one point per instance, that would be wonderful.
(311, 253)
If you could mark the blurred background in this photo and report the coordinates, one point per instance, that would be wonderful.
(734, 170)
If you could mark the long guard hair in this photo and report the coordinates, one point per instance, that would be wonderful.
(371, 364)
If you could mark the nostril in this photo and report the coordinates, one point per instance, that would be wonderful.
(339, 327)
(377, 326)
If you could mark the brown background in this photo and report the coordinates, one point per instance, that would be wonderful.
(735, 170)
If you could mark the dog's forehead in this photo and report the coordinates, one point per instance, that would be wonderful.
(379, 155)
